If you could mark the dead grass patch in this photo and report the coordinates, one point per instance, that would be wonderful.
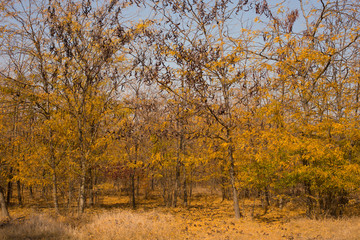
(36, 226)
(130, 225)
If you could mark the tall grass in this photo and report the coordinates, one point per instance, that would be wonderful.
(130, 225)
(37, 226)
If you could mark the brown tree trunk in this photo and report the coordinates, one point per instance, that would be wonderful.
(177, 183)
(309, 200)
(132, 190)
(152, 183)
(266, 200)
(19, 196)
(95, 192)
(91, 188)
(138, 186)
(31, 192)
(224, 183)
(55, 195)
(9, 193)
(133, 179)
(232, 179)
(43, 189)
(190, 186)
(185, 186)
(178, 164)
(53, 168)
(69, 194)
(82, 193)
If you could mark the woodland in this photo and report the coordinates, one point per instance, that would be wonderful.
(148, 99)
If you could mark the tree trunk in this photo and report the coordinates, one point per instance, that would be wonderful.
(138, 186)
(55, 195)
(53, 168)
(91, 188)
(152, 183)
(4, 210)
(232, 179)
(69, 194)
(190, 186)
(31, 192)
(164, 191)
(224, 183)
(95, 192)
(185, 187)
(9, 189)
(178, 163)
(309, 200)
(177, 183)
(132, 190)
(43, 189)
(133, 179)
(82, 193)
(266, 200)
(9, 192)
(19, 196)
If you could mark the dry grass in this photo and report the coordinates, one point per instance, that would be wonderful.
(154, 225)
(295, 229)
(208, 218)
(130, 225)
(36, 226)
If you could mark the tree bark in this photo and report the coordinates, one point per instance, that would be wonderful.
(9, 192)
(190, 186)
(178, 162)
(185, 187)
(69, 193)
(309, 200)
(82, 197)
(53, 165)
(133, 177)
(31, 192)
(177, 183)
(232, 179)
(19, 196)
(266, 200)
(55, 197)
(224, 183)
(138, 186)
(91, 188)
(132, 189)
(152, 183)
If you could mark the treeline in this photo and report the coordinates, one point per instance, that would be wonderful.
(159, 95)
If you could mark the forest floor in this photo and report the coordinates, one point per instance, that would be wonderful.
(206, 218)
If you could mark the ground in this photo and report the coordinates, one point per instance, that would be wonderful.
(206, 218)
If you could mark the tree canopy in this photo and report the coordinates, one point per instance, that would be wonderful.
(241, 96)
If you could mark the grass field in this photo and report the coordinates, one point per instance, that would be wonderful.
(207, 218)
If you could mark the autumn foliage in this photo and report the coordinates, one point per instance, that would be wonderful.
(248, 99)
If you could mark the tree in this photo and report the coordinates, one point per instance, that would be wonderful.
(212, 62)
(87, 41)
(310, 84)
